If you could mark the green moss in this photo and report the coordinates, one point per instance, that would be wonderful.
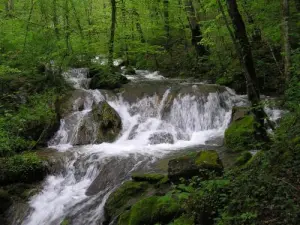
(240, 135)
(208, 158)
(110, 123)
(152, 210)
(26, 167)
(184, 220)
(150, 177)
(243, 158)
(65, 222)
(124, 196)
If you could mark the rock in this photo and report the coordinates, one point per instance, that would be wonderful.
(71, 102)
(149, 177)
(5, 200)
(239, 113)
(101, 124)
(108, 80)
(129, 71)
(162, 137)
(152, 210)
(240, 135)
(196, 164)
(126, 195)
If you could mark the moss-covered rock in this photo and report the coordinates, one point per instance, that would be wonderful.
(151, 210)
(243, 158)
(107, 80)
(129, 70)
(23, 168)
(102, 124)
(150, 177)
(184, 220)
(124, 197)
(239, 113)
(240, 135)
(195, 164)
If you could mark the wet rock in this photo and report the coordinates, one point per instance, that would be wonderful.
(71, 102)
(148, 177)
(107, 80)
(195, 164)
(241, 134)
(162, 137)
(101, 124)
(152, 210)
(239, 113)
(129, 71)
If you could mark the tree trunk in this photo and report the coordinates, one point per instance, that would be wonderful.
(9, 6)
(126, 36)
(67, 28)
(138, 26)
(167, 23)
(286, 39)
(55, 18)
(77, 19)
(297, 3)
(195, 28)
(112, 34)
(244, 52)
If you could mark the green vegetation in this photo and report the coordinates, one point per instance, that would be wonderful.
(251, 46)
(241, 134)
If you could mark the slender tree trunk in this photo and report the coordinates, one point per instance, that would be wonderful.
(123, 10)
(245, 54)
(112, 34)
(286, 39)
(28, 22)
(67, 28)
(77, 19)
(195, 28)
(138, 26)
(167, 23)
(55, 18)
(9, 6)
(297, 3)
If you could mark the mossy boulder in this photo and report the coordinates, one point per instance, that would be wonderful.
(129, 70)
(102, 124)
(152, 210)
(243, 158)
(240, 135)
(184, 220)
(107, 80)
(22, 168)
(126, 195)
(239, 113)
(152, 178)
(195, 164)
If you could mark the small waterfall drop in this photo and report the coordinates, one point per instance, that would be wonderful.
(154, 125)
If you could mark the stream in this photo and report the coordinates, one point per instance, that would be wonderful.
(159, 117)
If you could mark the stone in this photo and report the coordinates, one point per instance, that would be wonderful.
(239, 113)
(240, 135)
(148, 177)
(160, 138)
(152, 210)
(101, 124)
(195, 164)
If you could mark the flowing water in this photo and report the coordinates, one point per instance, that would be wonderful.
(170, 117)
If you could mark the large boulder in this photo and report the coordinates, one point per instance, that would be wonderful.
(161, 137)
(102, 124)
(107, 80)
(152, 210)
(239, 113)
(241, 134)
(195, 164)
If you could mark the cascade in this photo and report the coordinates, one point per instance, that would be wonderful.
(169, 118)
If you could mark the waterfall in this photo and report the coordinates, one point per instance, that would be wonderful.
(154, 125)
